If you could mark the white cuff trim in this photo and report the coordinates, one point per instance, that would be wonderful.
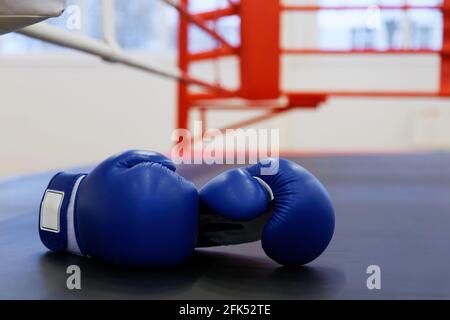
(72, 244)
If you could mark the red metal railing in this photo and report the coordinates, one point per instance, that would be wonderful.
(188, 100)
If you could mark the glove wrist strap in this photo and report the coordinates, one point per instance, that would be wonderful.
(57, 228)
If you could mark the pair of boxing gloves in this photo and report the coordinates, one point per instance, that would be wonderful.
(134, 209)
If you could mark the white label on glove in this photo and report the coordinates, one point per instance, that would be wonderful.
(50, 210)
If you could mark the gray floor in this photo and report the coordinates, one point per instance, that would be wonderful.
(392, 211)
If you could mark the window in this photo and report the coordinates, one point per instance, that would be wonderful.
(380, 30)
(148, 25)
(140, 25)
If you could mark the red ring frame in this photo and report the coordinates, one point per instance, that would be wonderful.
(188, 101)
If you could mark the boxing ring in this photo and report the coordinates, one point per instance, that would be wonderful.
(259, 87)
(391, 211)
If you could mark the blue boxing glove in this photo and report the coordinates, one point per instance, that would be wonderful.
(132, 209)
(276, 201)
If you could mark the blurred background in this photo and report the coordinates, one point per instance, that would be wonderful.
(61, 108)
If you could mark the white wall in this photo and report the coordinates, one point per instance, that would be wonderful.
(74, 109)
(71, 110)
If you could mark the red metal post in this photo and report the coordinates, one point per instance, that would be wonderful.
(445, 56)
(260, 49)
(183, 99)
